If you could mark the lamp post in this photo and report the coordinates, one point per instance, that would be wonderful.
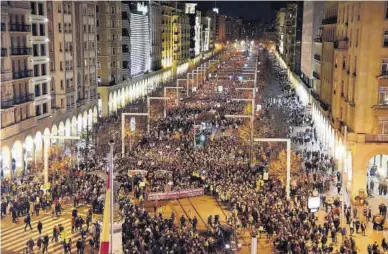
(288, 141)
(111, 145)
(47, 139)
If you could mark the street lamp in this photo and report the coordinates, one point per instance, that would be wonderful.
(288, 141)
(111, 145)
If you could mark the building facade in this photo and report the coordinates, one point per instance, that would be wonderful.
(156, 35)
(109, 43)
(312, 18)
(280, 29)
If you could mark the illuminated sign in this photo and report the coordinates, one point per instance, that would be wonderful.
(142, 8)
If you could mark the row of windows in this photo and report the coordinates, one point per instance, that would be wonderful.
(38, 30)
(40, 70)
(39, 49)
(41, 89)
(37, 9)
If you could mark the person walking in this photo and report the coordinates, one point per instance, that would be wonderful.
(39, 227)
(30, 245)
(27, 221)
(45, 243)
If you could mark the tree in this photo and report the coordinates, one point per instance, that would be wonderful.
(278, 166)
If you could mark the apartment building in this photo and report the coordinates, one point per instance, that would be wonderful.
(72, 40)
(293, 36)
(280, 30)
(168, 13)
(312, 18)
(156, 35)
(109, 43)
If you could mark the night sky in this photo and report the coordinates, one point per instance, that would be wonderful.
(248, 10)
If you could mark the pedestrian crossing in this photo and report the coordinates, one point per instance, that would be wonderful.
(15, 239)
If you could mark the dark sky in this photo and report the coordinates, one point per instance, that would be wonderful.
(249, 10)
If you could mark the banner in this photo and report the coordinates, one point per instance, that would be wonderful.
(175, 194)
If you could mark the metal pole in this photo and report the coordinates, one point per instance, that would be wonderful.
(148, 112)
(251, 146)
(122, 135)
(165, 104)
(46, 155)
(111, 144)
(343, 178)
(288, 169)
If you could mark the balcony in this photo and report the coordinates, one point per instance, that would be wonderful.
(342, 44)
(20, 28)
(376, 138)
(318, 39)
(16, 101)
(22, 74)
(70, 89)
(24, 99)
(21, 51)
(3, 52)
(331, 20)
(6, 76)
(316, 75)
(317, 57)
(19, 4)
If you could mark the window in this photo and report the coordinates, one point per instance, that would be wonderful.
(98, 65)
(98, 37)
(62, 85)
(35, 48)
(386, 10)
(62, 103)
(41, 10)
(37, 110)
(383, 96)
(385, 43)
(35, 29)
(45, 108)
(384, 67)
(60, 27)
(44, 88)
(383, 124)
(52, 66)
(98, 23)
(97, 9)
(33, 8)
(41, 28)
(113, 23)
(42, 49)
(43, 68)
(112, 10)
(37, 90)
(36, 70)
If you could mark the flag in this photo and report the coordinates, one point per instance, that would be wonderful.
(104, 241)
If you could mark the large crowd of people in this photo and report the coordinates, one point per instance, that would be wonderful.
(178, 155)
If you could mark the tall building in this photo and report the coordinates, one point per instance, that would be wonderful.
(17, 88)
(280, 29)
(312, 18)
(140, 40)
(109, 43)
(126, 41)
(206, 34)
(167, 35)
(72, 53)
(293, 36)
(156, 35)
(325, 44)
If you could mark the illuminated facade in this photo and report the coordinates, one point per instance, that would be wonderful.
(28, 80)
(140, 50)
(280, 29)
(206, 34)
(156, 35)
(167, 35)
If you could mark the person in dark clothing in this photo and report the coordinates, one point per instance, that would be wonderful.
(39, 227)
(27, 222)
(195, 222)
(183, 221)
(45, 243)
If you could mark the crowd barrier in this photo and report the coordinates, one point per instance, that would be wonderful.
(175, 194)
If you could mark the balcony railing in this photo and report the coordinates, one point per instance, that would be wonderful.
(17, 100)
(22, 74)
(3, 52)
(19, 4)
(376, 138)
(21, 51)
(20, 28)
(384, 73)
(331, 20)
(317, 57)
(316, 75)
